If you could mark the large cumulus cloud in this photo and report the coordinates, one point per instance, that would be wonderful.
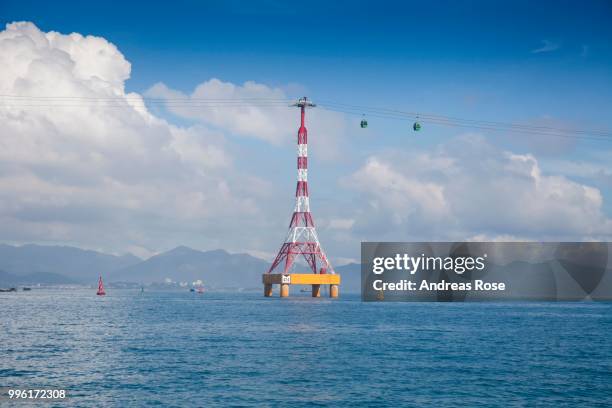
(95, 167)
(263, 113)
(468, 188)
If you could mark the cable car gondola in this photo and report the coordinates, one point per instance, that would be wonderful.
(364, 122)
(416, 126)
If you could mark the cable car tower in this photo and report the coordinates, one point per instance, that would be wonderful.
(302, 239)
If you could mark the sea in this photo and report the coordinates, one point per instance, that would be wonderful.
(177, 348)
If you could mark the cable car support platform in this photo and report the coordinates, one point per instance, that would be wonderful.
(316, 280)
(302, 239)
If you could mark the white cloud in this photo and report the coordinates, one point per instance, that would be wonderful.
(341, 223)
(597, 169)
(103, 174)
(402, 194)
(497, 238)
(247, 118)
(547, 46)
(469, 188)
(262, 113)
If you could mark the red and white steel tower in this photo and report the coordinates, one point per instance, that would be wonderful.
(302, 237)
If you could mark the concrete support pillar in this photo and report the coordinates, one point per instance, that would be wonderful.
(316, 290)
(284, 290)
(333, 291)
(267, 290)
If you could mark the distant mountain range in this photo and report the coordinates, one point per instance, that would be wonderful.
(32, 264)
(43, 278)
(59, 264)
(217, 268)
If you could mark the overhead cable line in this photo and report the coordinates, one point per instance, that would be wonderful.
(188, 102)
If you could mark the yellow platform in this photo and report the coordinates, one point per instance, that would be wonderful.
(301, 279)
(316, 280)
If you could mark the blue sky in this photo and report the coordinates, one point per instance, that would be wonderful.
(518, 61)
(418, 56)
(318, 44)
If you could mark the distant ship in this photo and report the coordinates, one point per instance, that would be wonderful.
(100, 291)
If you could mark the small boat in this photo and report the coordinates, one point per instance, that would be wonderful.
(9, 290)
(200, 289)
(192, 289)
(100, 291)
(26, 289)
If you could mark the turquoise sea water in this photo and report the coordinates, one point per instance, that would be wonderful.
(185, 349)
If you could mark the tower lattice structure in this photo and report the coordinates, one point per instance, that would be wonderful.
(302, 239)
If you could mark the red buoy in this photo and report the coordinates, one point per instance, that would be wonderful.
(100, 291)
